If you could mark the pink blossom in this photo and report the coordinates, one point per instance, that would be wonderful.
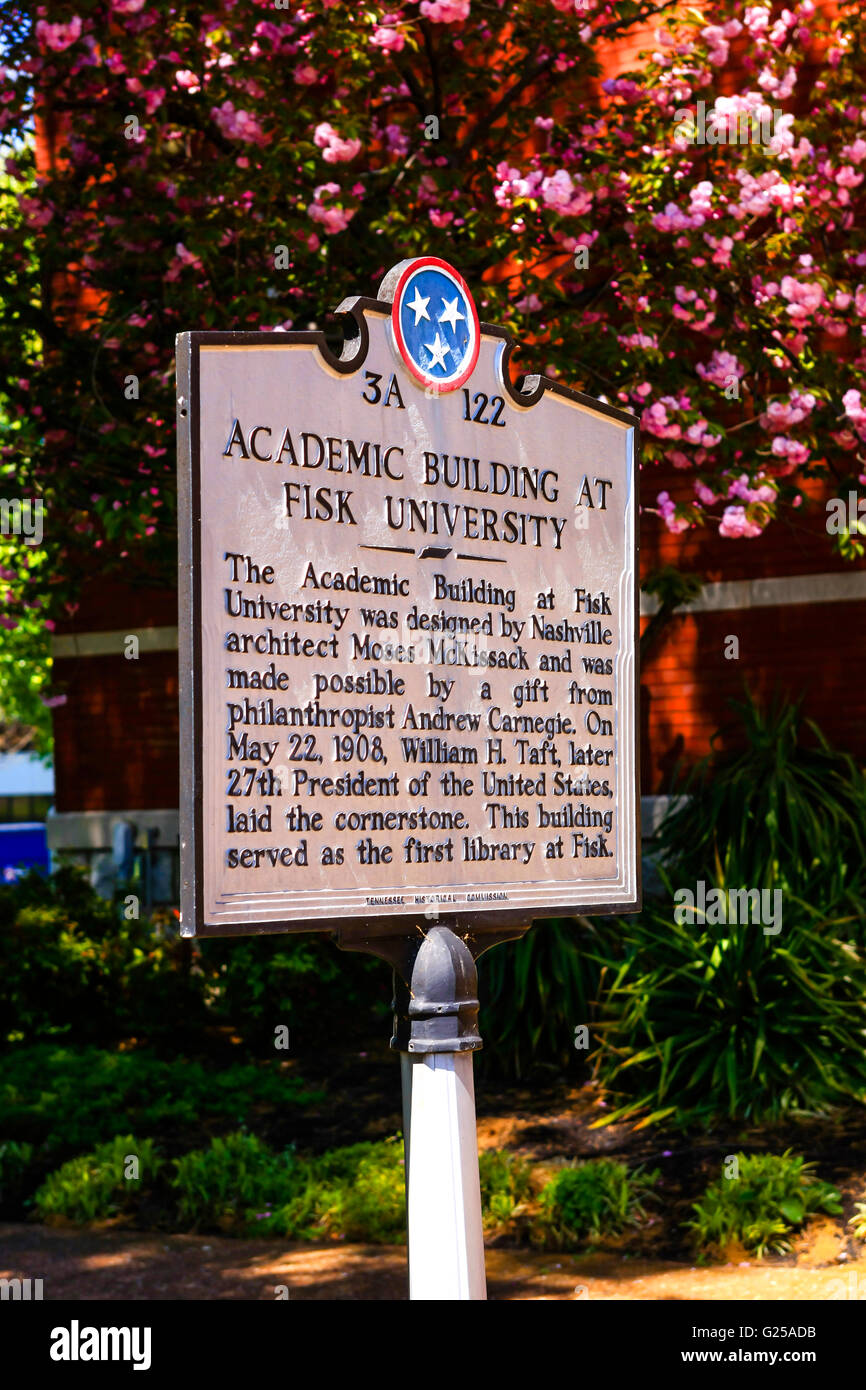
(721, 368)
(735, 524)
(59, 36)
(654, 420)
(705, 494)
(272, 32)
(852, 407)
(238, 125)
(791, 451)
(757, 19)
(305, 75)
(396, 139)
(804, 296)
(188, 80)
(36, 214)
(182, 258)
(445, 11)
(622, 87)
(780, 415)
(560, 193)
(335, 150)
(741, 488)
(442, 219)
(668, 514)
(388, 39)
(639, 340)
(673, 220)
(333, 218)
(512, 187)
(855, 152)
(714, 38)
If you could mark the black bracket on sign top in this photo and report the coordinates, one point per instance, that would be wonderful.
(435, 980)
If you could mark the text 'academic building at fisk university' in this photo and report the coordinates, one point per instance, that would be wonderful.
(797, 610)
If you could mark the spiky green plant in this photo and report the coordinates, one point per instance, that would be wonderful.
(535, 992)
(765, 1200)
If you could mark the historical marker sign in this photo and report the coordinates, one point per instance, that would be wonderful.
(408, 626)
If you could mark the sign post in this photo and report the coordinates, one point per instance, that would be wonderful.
(408, 670)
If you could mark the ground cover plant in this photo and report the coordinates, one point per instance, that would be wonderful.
(764, 1201)
(599, 1197)
(219, 1187)
(101, 1184)
(506, 1185)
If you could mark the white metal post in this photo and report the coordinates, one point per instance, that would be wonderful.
(446, 1241)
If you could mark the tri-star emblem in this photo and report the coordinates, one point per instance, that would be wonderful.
(435, 324)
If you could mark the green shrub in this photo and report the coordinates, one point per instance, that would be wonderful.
(71, 964)
(69, 1100)
(239, 1184)
(762, 1207)
(598, 1198)
(373, 1206)
(301, 981)
(505, 1185)
(356, 1192)
(97, 1185)
(15, 1164)
(221, 1186)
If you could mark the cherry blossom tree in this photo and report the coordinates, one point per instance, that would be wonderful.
(685, 239)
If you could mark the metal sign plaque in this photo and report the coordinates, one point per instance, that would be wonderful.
(408, 600)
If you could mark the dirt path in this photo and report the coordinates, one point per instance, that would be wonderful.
(127, 1265)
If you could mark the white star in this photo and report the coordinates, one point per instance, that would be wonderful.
(451, 313)
(419, 307)
(438, 349)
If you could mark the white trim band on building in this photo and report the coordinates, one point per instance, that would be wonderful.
(778, 592)
(150, 639)
(93, 830)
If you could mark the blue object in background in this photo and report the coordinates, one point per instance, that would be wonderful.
(23, 846)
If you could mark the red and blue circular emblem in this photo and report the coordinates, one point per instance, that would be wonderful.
(435, 324)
